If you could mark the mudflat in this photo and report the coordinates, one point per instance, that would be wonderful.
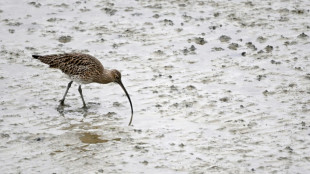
(217, 87)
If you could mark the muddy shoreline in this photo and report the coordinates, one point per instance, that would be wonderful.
(217, 87)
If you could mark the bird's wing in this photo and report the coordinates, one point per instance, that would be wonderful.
(72, 63)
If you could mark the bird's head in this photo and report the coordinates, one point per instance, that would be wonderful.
(117, 76)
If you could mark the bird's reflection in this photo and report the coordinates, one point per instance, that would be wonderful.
(66, 111)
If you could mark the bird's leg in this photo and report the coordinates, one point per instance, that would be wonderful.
(80, 91)
(63, 99)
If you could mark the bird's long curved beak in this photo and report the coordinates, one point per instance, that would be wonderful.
(121, 84)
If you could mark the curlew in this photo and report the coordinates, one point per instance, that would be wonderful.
(83, 69)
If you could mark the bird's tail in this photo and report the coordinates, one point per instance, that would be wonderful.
(53, 60)
(44, 59)
(36, 56)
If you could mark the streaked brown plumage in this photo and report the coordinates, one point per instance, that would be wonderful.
(83, 69)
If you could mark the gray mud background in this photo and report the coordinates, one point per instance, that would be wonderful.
(217, 87)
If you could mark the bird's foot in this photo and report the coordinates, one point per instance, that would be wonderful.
(84, 107)
(62, 102)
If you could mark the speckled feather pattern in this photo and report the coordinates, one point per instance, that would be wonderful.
(81, 68)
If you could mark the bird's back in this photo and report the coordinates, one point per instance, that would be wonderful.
(82, 67)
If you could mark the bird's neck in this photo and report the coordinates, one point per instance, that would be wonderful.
(105, 77)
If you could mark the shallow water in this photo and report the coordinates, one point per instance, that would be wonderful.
(217, 87)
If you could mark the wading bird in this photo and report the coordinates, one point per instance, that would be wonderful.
(83, 69)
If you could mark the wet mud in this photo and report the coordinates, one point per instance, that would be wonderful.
(217, 87)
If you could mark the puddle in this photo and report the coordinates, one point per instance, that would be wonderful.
(94, 139)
